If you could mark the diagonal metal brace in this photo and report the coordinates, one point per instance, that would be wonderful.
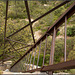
(27, 8)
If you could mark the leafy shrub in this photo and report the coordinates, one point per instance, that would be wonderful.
(71, 31)
(15, 15)
(43, 1)
(58, 33)
(71, 55)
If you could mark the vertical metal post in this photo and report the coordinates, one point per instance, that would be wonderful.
(28, 13)
(6, 19)
(34, 57)
(65, 38)
(30, 60)
(50, 73)
(45, 50)
(5, 25)
(39, 54)
(26, 63)
(52, 49)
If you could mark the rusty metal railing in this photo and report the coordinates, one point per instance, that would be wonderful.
(7, 39)
(26, 64)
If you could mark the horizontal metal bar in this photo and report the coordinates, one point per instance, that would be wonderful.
(60, 66)
(40, 17)
(69, 12)
(15, 41)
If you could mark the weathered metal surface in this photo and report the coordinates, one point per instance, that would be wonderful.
(50, 73)
(52, 50)
(27, 8)
(52, 47)
(26, 62)
(60, 66)
(45, 50)
(31, 59)
(34, 57)
(39, 54)
(69, 12)
(6, 19)
(65, 38)
(5, 26)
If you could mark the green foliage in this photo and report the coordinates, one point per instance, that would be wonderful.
(14, 15)
(40, 60)
(72, 71)
(16, 19)
(71, 55)
(17, 11)
(71, 31)
(47, 58)
(58, 33)
(43, 1)
(59, 11)
(70, 44)
(59, 47)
